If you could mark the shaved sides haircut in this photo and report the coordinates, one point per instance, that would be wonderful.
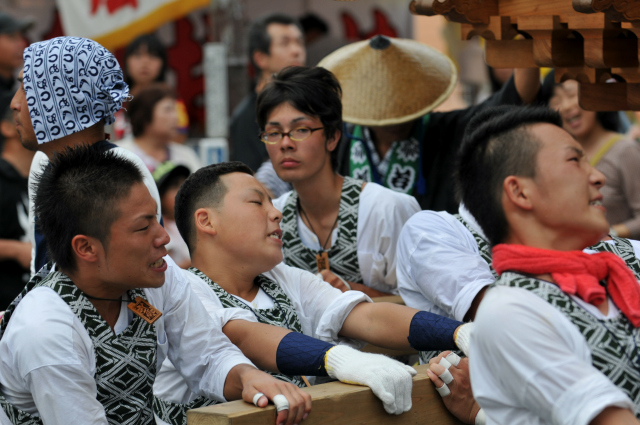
(202, 189)
(78, 194)
(497, 143)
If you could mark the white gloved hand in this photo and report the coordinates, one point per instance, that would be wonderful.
(389, 379)
(463, 338)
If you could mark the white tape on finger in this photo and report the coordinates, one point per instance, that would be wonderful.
(444, 363)
(256, 398)
(446, 377)
(453, 358)
(481, 418)
(281, 402)
(443, 390)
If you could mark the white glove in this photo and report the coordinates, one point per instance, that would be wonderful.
(463, 338)
(389, 379)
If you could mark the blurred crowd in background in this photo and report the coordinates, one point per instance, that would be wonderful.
(165, 122)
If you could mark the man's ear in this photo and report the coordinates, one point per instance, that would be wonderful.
(86, 248)
(516, 191)
(261, 59)
(205, 221)
(332, 143)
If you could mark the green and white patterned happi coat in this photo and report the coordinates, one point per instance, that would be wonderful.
(623, 249)
(485, 253)
(612, 341)
(343, 255)
(125, 363)
(282, 315)
(483, 245)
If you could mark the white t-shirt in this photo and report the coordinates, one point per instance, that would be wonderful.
(530, 364)
(178, 154)
(440, 269)
(47, 359)
(321, 308)
(381, 214)
(40, 161)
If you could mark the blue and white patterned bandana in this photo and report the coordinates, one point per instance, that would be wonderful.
(71, 83)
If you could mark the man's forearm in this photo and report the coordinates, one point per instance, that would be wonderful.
(12, 250)
(390, 326)
(527, 81)
(369, 291)
(615, 415)
(258, 341)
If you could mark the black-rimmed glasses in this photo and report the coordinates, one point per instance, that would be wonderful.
(297, 135)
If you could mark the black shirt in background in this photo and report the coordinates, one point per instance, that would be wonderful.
(14, 222)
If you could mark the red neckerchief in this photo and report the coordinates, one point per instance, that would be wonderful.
(576, 273)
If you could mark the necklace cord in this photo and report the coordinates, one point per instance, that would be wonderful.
(314, 231)
(124, 300)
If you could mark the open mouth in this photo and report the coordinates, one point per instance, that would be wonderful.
(157, 264)
(573, 119)
(276, 235)
(596, 203)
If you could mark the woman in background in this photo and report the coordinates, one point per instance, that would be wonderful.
(617, 157)
(154, 120)
(145, 63)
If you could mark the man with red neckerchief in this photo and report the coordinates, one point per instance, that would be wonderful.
(556, 336)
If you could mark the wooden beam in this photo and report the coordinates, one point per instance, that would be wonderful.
(463, 11)
(604, 97)
(510, 53)
(337, 403)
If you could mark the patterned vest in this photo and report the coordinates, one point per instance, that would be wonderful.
(483, 244)
(623, 249)
(343, 255)
(612, 341)
(283, 315)
(125, 363)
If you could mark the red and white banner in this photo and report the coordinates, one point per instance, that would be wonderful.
(114, 23)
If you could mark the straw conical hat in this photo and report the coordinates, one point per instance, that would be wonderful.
(387, 81)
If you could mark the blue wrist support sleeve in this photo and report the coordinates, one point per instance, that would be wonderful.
(429, 331)
(299, 354)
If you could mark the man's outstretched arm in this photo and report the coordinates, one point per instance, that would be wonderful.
(399, 327)
(291, 353)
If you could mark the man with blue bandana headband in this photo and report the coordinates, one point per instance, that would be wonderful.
(73, 353)
(70, 89)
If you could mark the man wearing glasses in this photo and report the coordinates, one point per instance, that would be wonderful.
(341, 227)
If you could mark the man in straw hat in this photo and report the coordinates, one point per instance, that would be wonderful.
(342, 227)
(390, 86)
(69, 89)
(72, 352)
(556, 337)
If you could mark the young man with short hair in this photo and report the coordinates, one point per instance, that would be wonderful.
(233, 233)
(51, 116)
(552, 344)
(86, 357)
(344, 228)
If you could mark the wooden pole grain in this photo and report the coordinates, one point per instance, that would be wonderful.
(337, 403)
